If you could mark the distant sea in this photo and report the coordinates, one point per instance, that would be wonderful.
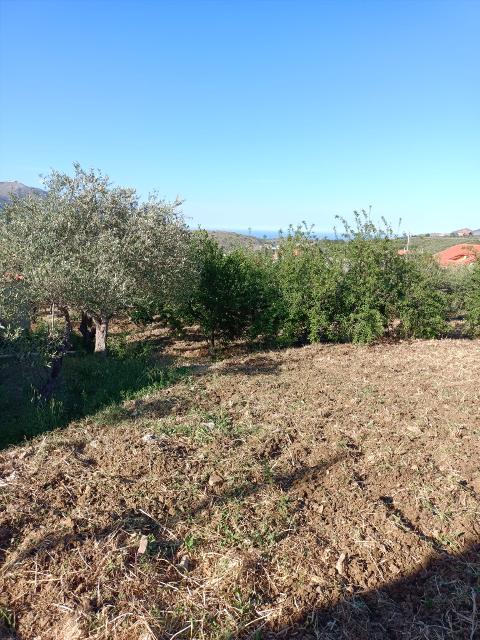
(271, 235)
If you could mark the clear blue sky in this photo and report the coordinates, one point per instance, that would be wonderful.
(258, 113)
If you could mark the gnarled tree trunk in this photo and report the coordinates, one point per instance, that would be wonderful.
(68, 325)
(48, 388)
(87, 329)
(101, 334)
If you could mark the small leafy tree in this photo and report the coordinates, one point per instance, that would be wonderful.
(370, 285)
(234, 294)
(308, 274)
(357, 288)
(455, 285)
(93, 247)
(422, 305)
(382, 289)
(473, 300)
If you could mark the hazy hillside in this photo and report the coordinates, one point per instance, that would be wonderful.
(432, 244)
(18, 189)
(230, 240)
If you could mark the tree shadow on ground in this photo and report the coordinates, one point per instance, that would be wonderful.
(88, 385)
(247, 488)
(251, 366)
(440, 601)
(139, 521)
(190, 343)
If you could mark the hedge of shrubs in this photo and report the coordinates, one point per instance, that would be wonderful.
(357, 288)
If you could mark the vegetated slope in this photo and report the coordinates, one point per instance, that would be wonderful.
(427, 244)
(230, 240)
(323, 492)
(7, 189)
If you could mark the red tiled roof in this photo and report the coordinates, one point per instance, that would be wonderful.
(459, 254)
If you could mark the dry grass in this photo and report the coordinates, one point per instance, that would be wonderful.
(324, 492)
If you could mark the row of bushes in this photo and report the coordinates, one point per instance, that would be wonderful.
(359, 289)
(101, 252)
(88, 250)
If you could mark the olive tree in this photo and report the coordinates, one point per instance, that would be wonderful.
(15, 311)
(89, 246)
(472, 301)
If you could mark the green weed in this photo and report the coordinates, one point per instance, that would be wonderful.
(89, 386)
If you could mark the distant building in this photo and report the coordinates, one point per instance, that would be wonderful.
(459, 254)
(463, 233)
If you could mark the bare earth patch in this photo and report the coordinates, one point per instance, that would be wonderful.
(324, 492)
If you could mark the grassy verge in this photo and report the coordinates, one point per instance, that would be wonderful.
(88, 384)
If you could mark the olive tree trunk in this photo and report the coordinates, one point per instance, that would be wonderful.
(87, 329)
(211, 342)
(68, 325)
(101, 334)
(48, 388)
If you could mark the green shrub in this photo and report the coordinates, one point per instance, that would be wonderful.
(234, 295)
(371, 282)
(472, 301)
(357, 289)
(308, 274)
(423, 304)
(455, 284)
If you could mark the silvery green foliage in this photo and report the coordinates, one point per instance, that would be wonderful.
(93, 247)
(15, 309)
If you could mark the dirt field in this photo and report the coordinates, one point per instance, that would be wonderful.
(325, 492)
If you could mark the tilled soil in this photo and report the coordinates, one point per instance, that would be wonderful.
(323, 492)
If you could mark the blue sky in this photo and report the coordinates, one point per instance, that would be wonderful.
(258, 113)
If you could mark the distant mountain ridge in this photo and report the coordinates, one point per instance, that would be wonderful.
(7, 189)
